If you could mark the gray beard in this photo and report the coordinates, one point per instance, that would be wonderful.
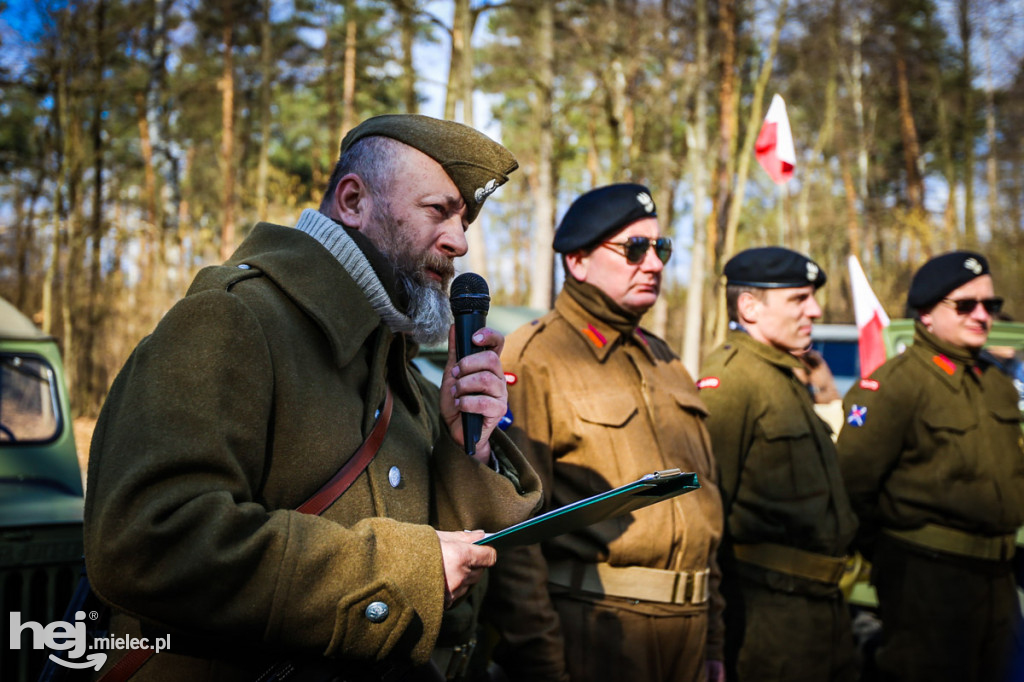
(429, 311)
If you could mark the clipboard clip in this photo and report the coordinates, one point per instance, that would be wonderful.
(664, 473)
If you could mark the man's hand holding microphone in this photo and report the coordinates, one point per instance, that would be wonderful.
(474, 398)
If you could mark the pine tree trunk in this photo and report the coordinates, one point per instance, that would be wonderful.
(736, 202)
(542, 276)
(227, 145)
(698, 142)
(267, 74)
(970, 229)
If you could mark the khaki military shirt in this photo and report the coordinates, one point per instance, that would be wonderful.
(594, 409)
(779, 475)
(932, 437)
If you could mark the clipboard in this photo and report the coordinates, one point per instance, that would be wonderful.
(647, 490)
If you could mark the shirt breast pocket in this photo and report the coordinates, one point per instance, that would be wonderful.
(949, 430)
(1008, 422)
(785, 463)
(600, 429)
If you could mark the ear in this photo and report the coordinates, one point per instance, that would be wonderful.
(352, 202)
(578, 263)
(926, 320)
(748, 307)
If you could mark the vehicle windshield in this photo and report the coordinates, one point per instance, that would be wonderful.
(29, 408)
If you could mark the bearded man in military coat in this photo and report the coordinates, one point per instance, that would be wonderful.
(261, 383)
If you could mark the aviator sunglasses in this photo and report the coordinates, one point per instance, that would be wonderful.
(966, 306)
(635, 248)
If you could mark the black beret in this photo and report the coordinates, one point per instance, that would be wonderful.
(943, 274)
(773, 267)
(602, 212)
(476, 164)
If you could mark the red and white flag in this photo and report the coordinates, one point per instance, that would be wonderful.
(871, 320)
(774, 147)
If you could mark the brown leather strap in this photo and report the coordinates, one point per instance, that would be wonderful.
(346, 476)
(128, 665)
(320, 501)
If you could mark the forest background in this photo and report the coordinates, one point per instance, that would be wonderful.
(141, 139)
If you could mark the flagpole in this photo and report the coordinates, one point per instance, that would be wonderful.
(782, 213)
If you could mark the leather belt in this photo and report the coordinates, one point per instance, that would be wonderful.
(633, 582)
(792, 561)
(962, 543)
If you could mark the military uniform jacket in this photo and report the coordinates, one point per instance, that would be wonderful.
(779, 474)
(249, 395)
(933, 437)
(594, 409)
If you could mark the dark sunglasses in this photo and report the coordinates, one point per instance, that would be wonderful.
(635, 248)
(966, 306)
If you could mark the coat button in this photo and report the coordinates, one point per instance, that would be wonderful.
(395, 477)
(377, 612)
(243, 266)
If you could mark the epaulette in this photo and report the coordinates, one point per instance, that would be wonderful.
(223, 277)
(517, 341)
(729, 352)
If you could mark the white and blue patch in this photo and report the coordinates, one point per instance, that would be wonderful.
(858, 415)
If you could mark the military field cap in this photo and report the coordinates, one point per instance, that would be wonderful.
(943, 274)
(601, 213)
(773, 267)
(476, 164)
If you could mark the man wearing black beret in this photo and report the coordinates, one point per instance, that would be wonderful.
(788, 523)
(598, 402)
(256, 389)
(932, 457)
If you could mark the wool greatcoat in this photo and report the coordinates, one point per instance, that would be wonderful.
(780, 485)
(933, 437)
(595, 408)
(249, 395)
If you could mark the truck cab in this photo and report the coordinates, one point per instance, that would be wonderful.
(41, 491)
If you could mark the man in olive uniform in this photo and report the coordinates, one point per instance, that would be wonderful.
(598, 402)
(261, 383)
(787, 518)
(932, 458)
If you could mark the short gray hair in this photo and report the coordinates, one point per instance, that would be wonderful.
(373, 159)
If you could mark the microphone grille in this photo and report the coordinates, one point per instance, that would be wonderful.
(469, 294)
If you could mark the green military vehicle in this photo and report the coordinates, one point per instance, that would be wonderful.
(41, 492)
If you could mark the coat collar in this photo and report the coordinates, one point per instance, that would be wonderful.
(769, 354)
(950, 363)
(315, 281)
(599, 336)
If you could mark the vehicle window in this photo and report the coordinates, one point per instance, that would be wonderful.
(29, 409)
(843, 358)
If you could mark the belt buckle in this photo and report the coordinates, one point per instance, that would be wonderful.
(701, 586)
(1008, 547)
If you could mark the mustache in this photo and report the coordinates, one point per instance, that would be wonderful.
(439, 264)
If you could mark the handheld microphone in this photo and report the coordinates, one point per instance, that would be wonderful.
(469, 300)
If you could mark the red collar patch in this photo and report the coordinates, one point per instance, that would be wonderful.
(945, 364)
(510, 378)
(869, 384)
(595, 336)
(709, 382)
